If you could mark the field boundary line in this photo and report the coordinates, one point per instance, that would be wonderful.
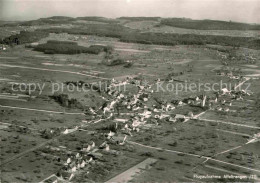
(40, 110)
(229, 123)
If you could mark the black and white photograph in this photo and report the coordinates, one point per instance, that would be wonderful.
(129, 91)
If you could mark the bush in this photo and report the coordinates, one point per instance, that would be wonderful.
(128, 64)
(161, 168)
(117, 61)
(114, 62)
(107, 49)
(179, 162)
(257, 101)
(174, 144)
(63, 100)
(148, 154)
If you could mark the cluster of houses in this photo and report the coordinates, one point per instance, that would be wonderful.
(76, 161)
(140, 109)
(229, 74)
(141, 112)
(245, 57)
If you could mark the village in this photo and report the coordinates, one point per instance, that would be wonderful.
(94, 99)
(129, 114)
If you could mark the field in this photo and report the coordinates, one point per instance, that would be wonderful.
(154, 26)
(208, 24)
(48, 131)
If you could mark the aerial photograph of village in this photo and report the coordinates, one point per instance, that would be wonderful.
(123, 91)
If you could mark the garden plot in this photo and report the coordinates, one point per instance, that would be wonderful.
(246, 156)
(192, 137)
(232, 118)
(33, 167)
(16, 140)
(106, 164)
(39, 120)
(178, 165)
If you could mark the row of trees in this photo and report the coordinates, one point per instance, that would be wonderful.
(207, 24)
(24, 37)
(67, 47)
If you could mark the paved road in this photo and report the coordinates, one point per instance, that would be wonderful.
(195, 117)
(234, 133)
(230, 123)
(228, 150)
(40, 110)
(240, 84)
